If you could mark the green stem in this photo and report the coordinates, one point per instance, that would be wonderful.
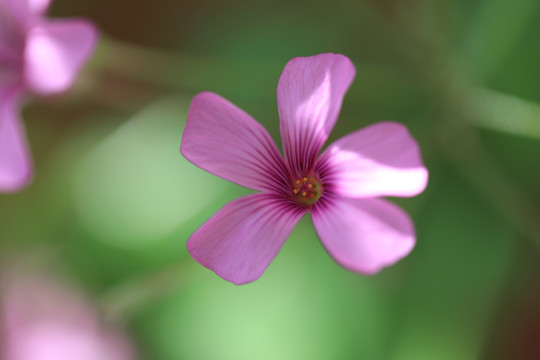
(465, 151)
(496, 111)
(132, 296)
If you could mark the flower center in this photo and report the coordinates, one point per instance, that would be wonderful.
(307, 190)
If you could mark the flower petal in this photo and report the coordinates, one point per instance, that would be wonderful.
(239, 242)
(16, 13)
(43, 319)
(38, 6)
(379, 160)
(224, 140)
(309, 95)
(55, 52)
(364, 235)
(24, 10)
(15, 160)
(11, 33)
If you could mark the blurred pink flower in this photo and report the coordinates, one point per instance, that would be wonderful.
(40, 56)
(340, 187)
(43, 320)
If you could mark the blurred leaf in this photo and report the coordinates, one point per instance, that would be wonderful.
(135, 188)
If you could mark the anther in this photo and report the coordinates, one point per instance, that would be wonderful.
(306, 190)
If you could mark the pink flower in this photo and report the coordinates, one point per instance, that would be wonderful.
(43, 320)
(38, 56)
(340, 187)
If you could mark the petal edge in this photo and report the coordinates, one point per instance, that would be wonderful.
(15, 160)
(240, 240)
(55, 52)
(224, 140)
(382, 159)
(309, 95)
(364, 235)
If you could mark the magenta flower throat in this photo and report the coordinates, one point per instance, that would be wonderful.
(340, 187)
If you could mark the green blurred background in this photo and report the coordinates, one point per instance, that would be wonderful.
(113, 201)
